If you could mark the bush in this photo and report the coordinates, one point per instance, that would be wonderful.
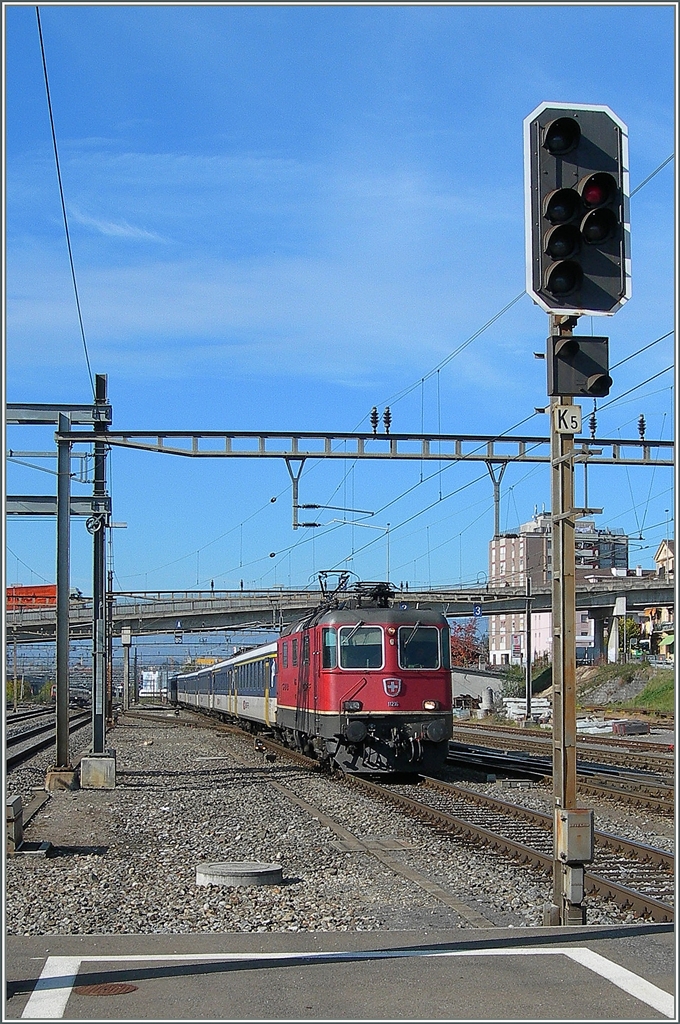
(514, 684)
(514, 680)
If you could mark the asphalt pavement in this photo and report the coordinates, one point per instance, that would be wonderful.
(591, 973)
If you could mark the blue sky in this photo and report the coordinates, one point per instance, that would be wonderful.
(284, 215)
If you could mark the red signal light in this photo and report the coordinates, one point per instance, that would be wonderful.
(594, 194)
(598, 189)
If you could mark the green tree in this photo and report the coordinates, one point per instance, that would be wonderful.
(631, 631)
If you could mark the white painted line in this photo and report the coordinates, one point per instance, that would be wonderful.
(626, 980)
(49, 997)
(53, 989)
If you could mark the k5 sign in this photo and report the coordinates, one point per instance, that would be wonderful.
(567, 419)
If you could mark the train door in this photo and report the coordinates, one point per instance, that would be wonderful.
(304, 696)
(267, 666)
(316, 674)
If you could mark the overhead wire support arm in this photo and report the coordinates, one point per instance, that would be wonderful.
(295, 446)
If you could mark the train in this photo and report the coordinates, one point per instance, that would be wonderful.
(362, 684)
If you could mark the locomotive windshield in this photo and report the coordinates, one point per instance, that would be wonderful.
(361, 647)
(418, 647)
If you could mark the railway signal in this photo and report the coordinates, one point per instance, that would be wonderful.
(576, 207)
(578, 366)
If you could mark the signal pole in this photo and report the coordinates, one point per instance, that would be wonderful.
(97, 524)
(572, 828)
(528, 648)
(578, 263)
(63, 591)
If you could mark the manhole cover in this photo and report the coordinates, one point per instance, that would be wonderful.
(247, 872)
(117, 988)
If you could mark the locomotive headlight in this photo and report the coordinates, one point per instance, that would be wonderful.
(436, 731)
(352, 705)
(431, 705)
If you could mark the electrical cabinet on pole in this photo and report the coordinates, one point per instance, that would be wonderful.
(577, 264)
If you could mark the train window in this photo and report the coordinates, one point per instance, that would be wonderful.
(418, 646)
(330, 648)
(284, 655)
(446, 647)
(295, 652)
(305, 649)
(361, 647)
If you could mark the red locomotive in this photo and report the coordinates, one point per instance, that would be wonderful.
(360, 683)
(366, 684)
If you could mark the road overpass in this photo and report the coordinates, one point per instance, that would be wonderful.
(162, 613)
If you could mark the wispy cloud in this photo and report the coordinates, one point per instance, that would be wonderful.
(113, 229)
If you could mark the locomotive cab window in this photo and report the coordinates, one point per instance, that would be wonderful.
(361, 647)
(285, 655)
(446, 647)
(330, 648)
(418, 647)
(305, 649)
(295, 652)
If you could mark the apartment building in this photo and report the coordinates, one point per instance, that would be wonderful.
(516, 557)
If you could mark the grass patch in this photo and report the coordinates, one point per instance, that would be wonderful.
(658, 694)
(625, 672)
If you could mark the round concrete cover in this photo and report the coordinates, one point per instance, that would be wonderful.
(246, 872)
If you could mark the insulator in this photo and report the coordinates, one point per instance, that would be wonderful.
(642, 426)
(387, 419)
(374, 419)
(592, 423)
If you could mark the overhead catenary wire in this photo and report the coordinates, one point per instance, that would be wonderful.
(25, 564)
(639, 351)
(420, 383)
(63, 204)
(392, 400)
(652, 175)
(635, 388)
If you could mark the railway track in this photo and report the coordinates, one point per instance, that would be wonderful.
(654, 757)
(634, 876)
(24, 745)
(613, 782)
(16, 718)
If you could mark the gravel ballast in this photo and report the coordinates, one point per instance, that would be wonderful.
(125, 860)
